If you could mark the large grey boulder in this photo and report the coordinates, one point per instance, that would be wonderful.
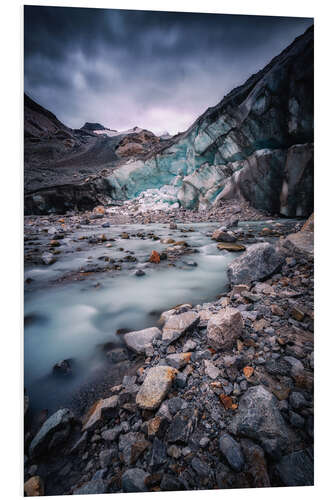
(178, 324)
(224, 328)
(259, 418)
(52, 433)
(138, 341)
(133, 480)
(155, 387)
(258, 262)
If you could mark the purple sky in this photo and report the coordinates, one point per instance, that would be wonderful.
(156, 70)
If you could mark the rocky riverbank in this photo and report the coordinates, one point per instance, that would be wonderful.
(223, 397)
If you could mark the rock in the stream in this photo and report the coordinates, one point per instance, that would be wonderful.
(232, 452)
(48, 258)
(155, 387)
(138, 341)
(52, 433)
(224, 328)
(178, 324)
(63, 367)
(222, 234)
(259, 418)
(258, 262)
(133, 480)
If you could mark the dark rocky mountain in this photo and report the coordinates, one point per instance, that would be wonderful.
(256, 144)
(65, 168)
(94, 126)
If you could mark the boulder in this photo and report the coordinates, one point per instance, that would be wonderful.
(224, 328)
(258, 262)
(259, 418)
(178, 324)
(155, 387)
(53, 432)
(138, 341)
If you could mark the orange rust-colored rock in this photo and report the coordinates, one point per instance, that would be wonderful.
(155, 257)
(226, 401)
(248, 371)
(155, 387)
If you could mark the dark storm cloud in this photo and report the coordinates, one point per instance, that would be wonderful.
(153, 69)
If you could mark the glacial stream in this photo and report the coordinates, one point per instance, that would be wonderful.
(70, 320)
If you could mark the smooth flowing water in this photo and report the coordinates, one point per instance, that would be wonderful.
(69, 321)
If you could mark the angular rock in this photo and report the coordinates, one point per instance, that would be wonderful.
(211, 370)
(258, 262)
(167, 314)
(55, 430)
(222, 234)
(138, 341)
(259, 418)
(155, 387)
(224, 328)
(102, 408)
(231, 450)
(178, 360)
(178, 324)
(133, 480)
(126, 443)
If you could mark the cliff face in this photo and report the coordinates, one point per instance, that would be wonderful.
(257, 143)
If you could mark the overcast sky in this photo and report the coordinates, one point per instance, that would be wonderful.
(154, 70)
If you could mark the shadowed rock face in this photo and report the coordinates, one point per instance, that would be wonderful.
(255, 144)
